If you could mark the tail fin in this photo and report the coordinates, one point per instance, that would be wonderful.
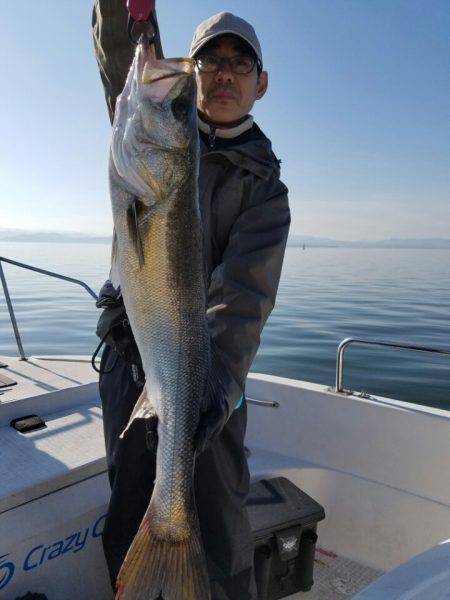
(153, 566)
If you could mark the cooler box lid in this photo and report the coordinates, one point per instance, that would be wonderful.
(275, 504)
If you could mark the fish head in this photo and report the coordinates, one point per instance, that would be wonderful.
(155, 136)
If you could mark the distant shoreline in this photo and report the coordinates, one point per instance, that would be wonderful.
(294, 241)
(342, 245)
(51, 241)
(368, 247)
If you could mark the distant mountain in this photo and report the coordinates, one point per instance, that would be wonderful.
(316, 242)
(20, 235)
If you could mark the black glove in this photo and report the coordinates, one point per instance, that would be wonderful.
(217, 406)
(109, 296)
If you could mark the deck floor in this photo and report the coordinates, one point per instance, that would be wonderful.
(336, 578)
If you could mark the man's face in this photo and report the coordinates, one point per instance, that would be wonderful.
(225, 98)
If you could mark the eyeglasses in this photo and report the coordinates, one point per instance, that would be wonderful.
(239, 65)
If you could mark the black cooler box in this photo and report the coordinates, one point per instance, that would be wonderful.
(284, 523)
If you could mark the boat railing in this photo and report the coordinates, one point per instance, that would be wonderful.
(343, 345)
(36, 270)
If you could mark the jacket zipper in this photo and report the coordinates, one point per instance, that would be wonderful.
(212, 137)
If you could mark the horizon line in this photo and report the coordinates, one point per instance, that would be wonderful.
(87, 235)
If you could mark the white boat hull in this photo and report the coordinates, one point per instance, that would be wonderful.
(378, 466)
(52, 545)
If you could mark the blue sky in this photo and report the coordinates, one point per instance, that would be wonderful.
(358, 110)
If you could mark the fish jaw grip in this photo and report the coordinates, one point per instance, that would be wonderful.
(141, 20)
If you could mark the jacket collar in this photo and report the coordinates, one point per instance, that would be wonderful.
(255, 155)
(229, 133)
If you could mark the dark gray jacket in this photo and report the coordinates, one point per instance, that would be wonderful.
(245, 213)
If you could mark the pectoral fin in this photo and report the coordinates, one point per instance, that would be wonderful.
(114, 271)
(134, 211)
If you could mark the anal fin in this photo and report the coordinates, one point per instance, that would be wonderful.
(143, 409)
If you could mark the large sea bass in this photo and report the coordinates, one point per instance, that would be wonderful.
(158, 262)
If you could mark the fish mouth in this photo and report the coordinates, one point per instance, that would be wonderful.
(149, 78)
(159, 77)
(160, 69)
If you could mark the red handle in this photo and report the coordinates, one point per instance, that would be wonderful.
(140, 10)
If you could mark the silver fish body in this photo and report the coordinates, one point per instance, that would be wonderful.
(158, 262)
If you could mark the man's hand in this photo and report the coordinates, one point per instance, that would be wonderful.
(217, 405)
(215, 410)
(212, 421)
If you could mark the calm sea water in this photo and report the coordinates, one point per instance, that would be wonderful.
(325, 295)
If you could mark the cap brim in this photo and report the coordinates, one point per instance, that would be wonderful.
(193, 52)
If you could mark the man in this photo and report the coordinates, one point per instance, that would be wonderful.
(246, 219)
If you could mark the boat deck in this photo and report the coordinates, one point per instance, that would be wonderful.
(39, 376)
(49, 385)
(336, 578)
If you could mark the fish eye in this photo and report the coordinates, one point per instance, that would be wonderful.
(180, 108)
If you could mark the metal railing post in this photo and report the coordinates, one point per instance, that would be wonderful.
(36, 270)
(347, 341)
(50, 274)
(11, 314)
